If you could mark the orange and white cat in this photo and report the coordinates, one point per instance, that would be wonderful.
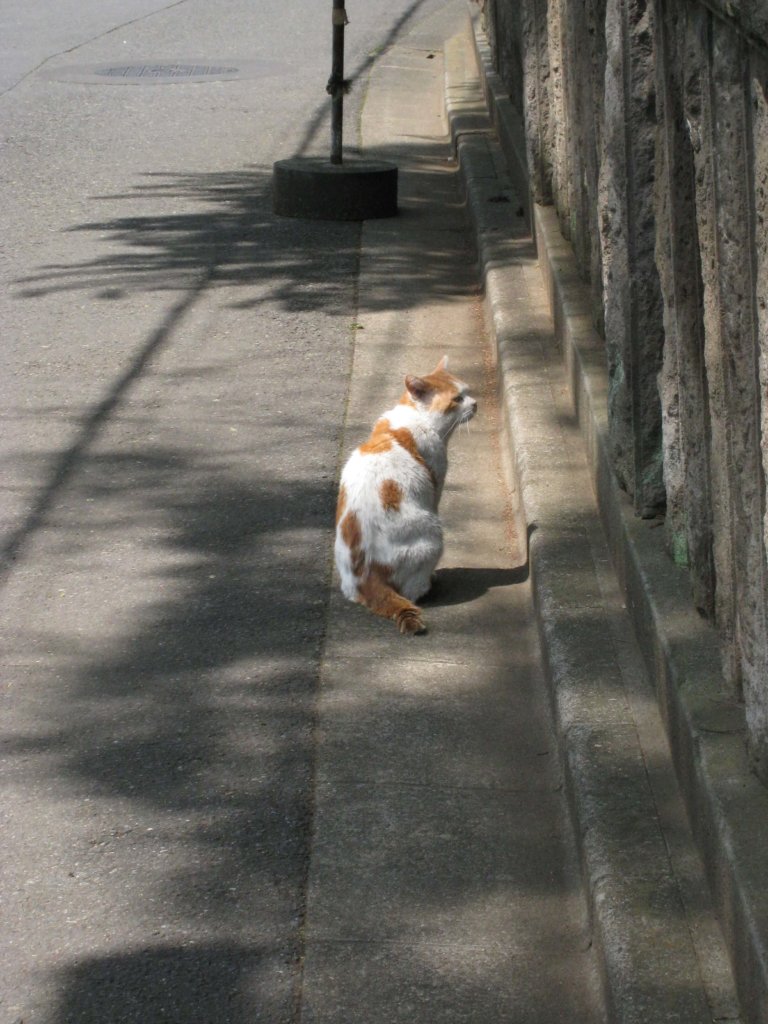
(388, 534)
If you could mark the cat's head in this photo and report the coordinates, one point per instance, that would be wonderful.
(444, 398)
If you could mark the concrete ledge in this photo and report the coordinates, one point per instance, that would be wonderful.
(727, 806)
(508, 124)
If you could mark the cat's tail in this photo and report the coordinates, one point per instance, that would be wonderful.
(378, 594)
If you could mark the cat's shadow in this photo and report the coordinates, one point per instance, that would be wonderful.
(457, 586)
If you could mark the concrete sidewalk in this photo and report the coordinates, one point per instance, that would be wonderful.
(444, 879)
(443, 883)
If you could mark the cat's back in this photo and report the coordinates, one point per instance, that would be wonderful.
(387, 470)
(386, 514)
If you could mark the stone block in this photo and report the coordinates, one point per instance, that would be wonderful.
(632, 295)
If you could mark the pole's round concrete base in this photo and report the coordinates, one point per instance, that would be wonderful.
(315, 189)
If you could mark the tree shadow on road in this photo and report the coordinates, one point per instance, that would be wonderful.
(226, 235)
(183, 731)
(195, 711)
(225, 238)
(210, 983)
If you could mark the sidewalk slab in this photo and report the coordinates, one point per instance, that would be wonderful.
(443, 882)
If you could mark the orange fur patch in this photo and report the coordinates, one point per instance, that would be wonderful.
(341, 504)
(379, 441)
(391, 494)
(382, 438)
(440, 380)
(378, 594)
(443, 400)
(352, 536)
(405, 439)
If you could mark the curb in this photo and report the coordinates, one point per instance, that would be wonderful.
(645, 946)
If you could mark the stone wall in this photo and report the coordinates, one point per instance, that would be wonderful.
(647, 128)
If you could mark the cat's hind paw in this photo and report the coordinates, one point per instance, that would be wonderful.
(410, 622)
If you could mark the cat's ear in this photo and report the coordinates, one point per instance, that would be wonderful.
(417, 387)
(442, 365)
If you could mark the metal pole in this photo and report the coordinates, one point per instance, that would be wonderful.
(336, 84)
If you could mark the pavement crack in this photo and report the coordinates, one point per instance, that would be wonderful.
(87, 42)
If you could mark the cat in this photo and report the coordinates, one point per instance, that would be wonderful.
(388, 534)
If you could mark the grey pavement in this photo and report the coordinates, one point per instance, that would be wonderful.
(443, 883)
(228, 795)
(175, 372)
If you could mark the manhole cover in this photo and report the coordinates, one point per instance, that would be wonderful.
(162, 72)
(168, 71)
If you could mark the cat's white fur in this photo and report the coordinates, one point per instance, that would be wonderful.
(388, 529)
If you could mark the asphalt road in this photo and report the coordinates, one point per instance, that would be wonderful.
(175, 363)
